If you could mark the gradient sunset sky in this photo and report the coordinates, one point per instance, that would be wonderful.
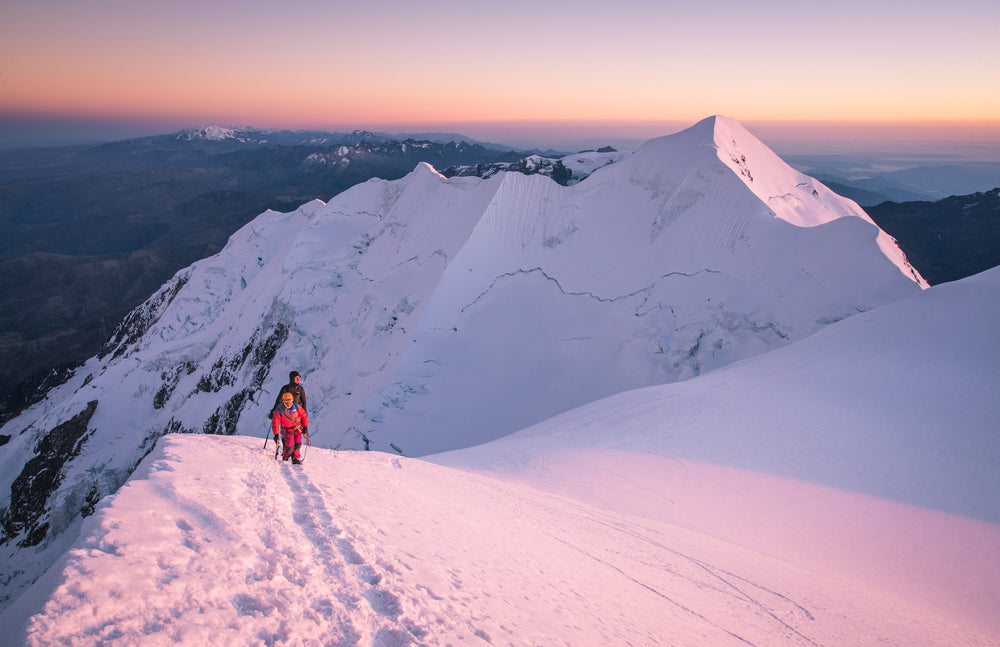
(506, 70)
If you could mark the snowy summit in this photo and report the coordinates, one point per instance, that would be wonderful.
(739, 418)
(241, 134)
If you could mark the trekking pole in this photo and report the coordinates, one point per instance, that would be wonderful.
(266, 436)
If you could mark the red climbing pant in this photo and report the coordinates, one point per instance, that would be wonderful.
(291, 440)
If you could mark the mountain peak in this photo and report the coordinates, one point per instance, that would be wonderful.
(789, 195)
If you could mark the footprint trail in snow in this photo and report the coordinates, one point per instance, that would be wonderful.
(214, 542)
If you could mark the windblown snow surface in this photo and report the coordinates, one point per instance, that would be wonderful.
(841, 490)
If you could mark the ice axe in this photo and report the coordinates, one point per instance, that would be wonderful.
(277, 446)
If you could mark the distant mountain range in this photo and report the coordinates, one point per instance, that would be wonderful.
(949, 239)
(877, 178)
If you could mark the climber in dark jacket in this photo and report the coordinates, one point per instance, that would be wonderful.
(297, 390)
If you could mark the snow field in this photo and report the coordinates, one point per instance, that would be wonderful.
(212, 541)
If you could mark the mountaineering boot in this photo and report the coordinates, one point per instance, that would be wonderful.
(296, 461)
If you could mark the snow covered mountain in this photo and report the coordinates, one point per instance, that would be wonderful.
(246, 136)
(429, 314)
(91, 233)
(566, 169)
(839, 491)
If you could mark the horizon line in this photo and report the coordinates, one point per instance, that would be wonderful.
(20, 130)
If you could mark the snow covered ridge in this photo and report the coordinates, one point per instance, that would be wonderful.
(568, 170)
(837, 491)
(430, 313)
(241, 134)
(212, 542)
(250, 137)
(368, 146)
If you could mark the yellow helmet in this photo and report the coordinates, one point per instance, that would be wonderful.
(287, 398)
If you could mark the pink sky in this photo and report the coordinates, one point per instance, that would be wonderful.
(638, 67)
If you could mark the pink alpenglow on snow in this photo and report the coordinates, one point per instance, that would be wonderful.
(730, 509)
(370, 549)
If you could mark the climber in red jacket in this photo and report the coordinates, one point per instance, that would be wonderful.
(288, 420)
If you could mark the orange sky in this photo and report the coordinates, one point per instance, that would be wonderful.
(634, 66)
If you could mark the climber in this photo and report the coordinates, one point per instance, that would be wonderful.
(297, 390)
(289, 420)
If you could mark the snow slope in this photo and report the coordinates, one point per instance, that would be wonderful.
(370, 549)
(783, 500)
(868, 451)
(429, 314)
